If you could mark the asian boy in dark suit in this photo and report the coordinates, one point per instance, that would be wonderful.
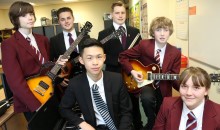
(111, 89)
(115, 46)
(174, 112)
(161, 29)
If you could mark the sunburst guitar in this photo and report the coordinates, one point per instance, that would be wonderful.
(151, 73)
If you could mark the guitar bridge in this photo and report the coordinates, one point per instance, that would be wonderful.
(41, 88)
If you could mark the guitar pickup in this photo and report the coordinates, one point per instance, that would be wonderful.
(43, 85)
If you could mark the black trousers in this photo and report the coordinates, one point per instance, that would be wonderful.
(151, 100)
(137, 123)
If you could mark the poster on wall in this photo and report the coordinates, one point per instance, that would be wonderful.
(182, 19)
(144, 20)
(135, 16)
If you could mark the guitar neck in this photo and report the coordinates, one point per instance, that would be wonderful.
(160, 76)
(107, 38)
(66, 55)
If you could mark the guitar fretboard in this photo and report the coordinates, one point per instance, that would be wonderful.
(158, 76)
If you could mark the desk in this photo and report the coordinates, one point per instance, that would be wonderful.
(4, 118)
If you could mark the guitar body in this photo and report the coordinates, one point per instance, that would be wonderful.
(132, 85)
(41, 87)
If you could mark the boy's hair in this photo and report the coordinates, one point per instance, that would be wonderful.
(160, 22)
(199, 77)
(118, 3)
(18, 9)
(64, 9)
(89, 43)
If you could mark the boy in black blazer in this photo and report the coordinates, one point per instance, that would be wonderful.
(111, 89)
(112, 55)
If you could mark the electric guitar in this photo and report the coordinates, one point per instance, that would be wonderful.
(41, 85)
(151, 73)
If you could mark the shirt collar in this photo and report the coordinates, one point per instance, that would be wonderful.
(99, 82)
(25, 36)
(162, 49)
(72, 32)
(197, 111)
(116, 26)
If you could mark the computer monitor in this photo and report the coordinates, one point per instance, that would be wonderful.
(38, 30)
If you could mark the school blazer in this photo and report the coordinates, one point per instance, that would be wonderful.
(117, 98)
(170, 112)
(19, 62)
(113, 47)
(144, 52)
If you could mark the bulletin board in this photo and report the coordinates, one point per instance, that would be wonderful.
(204, 32)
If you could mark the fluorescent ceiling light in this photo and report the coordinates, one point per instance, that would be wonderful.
(70, 0)
(32, 3)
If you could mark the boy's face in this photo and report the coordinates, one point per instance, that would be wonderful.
(119, 15)
(192, 95)
(27, 21)
(161, 35)
(93, 58)
(66, 20)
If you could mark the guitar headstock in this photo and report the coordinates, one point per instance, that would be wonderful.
(215, 77)
(119, 32)
(86, 28)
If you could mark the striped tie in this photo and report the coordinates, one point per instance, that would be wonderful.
(157, 59)
(102, 108)
(37, 52)
(191, 122)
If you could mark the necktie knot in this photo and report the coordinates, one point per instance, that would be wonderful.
(191, 116)
(158, 50)
(69, 34)
(95, 87)
(28, 39)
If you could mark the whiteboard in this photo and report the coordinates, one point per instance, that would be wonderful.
(204, 32)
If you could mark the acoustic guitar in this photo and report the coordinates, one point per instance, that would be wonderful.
(41, 85)
(151, 73)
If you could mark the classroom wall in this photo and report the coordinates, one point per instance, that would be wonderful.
(83, 11)
(165, 8)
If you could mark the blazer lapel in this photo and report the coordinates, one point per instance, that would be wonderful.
(61, 43)
(208, 122)
(168, 57)
(88, 99)
(24, 43)
(176, 113)
(128, 39)
(41, 47)
(108, 93)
